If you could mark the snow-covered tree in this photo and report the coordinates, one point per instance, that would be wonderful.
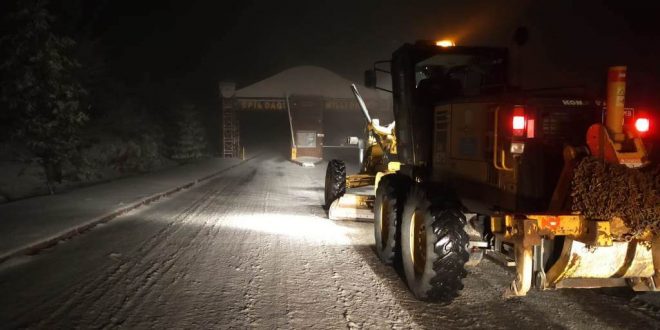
(38, 86)
(189, 142)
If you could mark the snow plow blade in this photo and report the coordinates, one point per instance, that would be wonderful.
(352, 207)
(583, 266)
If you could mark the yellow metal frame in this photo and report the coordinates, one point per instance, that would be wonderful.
(585, 239)
(496, 149)
(380, 143)
(635, 158)
(363, 180)
(392, 167)
(388, 139)
(359, 180)
(530, 228)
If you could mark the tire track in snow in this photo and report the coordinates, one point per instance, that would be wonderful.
(256, 258)
(144, 292)
(103, 283)
(82, 291)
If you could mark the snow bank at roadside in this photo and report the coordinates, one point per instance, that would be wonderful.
(109, 158)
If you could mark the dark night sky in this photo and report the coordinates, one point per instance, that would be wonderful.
(190, 45)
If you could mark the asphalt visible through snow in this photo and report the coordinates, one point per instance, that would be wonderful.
(252, 249)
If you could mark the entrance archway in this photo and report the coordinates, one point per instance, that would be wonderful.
(323, 111)
(264, 131)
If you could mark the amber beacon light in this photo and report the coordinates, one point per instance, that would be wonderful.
(445, 43)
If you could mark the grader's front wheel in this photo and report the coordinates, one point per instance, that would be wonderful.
(335, 181)
(434, 248)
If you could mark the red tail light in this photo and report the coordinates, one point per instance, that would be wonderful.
(642, 124)
(519, 121)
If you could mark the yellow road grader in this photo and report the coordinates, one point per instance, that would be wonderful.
(550, 182)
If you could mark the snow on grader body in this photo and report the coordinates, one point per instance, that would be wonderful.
(534, 179)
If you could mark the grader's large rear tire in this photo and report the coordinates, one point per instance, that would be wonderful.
(335, 181)
(434, 248)
(388, 208)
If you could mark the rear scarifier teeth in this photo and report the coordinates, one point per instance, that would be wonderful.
(602, 190)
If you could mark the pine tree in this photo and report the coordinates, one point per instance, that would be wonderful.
(190, 140)
(39, 88)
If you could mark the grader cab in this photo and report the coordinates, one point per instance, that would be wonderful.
(551, 182)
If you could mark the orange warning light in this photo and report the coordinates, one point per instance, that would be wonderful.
(445, 43)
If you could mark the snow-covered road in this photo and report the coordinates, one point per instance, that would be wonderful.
(252, 249)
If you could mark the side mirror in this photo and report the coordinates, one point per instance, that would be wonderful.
(370, 79)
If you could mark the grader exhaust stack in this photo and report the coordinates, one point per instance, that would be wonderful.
(616, 95)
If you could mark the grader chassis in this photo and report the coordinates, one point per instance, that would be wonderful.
(477, 166)
(378, 160)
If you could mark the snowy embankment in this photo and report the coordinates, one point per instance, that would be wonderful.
(30, 225)
(21, 176)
